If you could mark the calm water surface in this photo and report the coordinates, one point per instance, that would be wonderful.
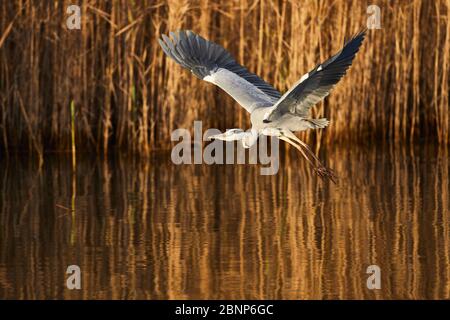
(153, 230)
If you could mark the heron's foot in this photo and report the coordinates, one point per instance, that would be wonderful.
(326, 173)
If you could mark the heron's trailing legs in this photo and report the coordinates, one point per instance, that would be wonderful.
(307, 153)
(249, 138)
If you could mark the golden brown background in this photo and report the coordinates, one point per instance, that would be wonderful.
(144, 228)
(126, 93)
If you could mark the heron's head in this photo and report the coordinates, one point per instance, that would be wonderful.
(233, 131)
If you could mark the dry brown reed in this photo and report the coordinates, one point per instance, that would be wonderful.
(128, 95)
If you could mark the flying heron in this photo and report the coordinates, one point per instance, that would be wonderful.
(271, 113)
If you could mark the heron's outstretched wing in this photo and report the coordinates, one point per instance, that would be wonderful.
(317, 84)
(212, 63)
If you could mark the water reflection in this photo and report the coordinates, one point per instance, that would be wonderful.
(153, 230)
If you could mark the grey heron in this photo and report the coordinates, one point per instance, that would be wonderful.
(271, 113)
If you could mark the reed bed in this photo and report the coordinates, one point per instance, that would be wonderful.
(127, 95)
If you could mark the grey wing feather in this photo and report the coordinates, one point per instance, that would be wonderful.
(211, 62)
(317, 84)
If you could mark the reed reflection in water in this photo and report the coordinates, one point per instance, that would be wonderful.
(152, 230)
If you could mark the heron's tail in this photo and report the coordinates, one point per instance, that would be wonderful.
(318, 123)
